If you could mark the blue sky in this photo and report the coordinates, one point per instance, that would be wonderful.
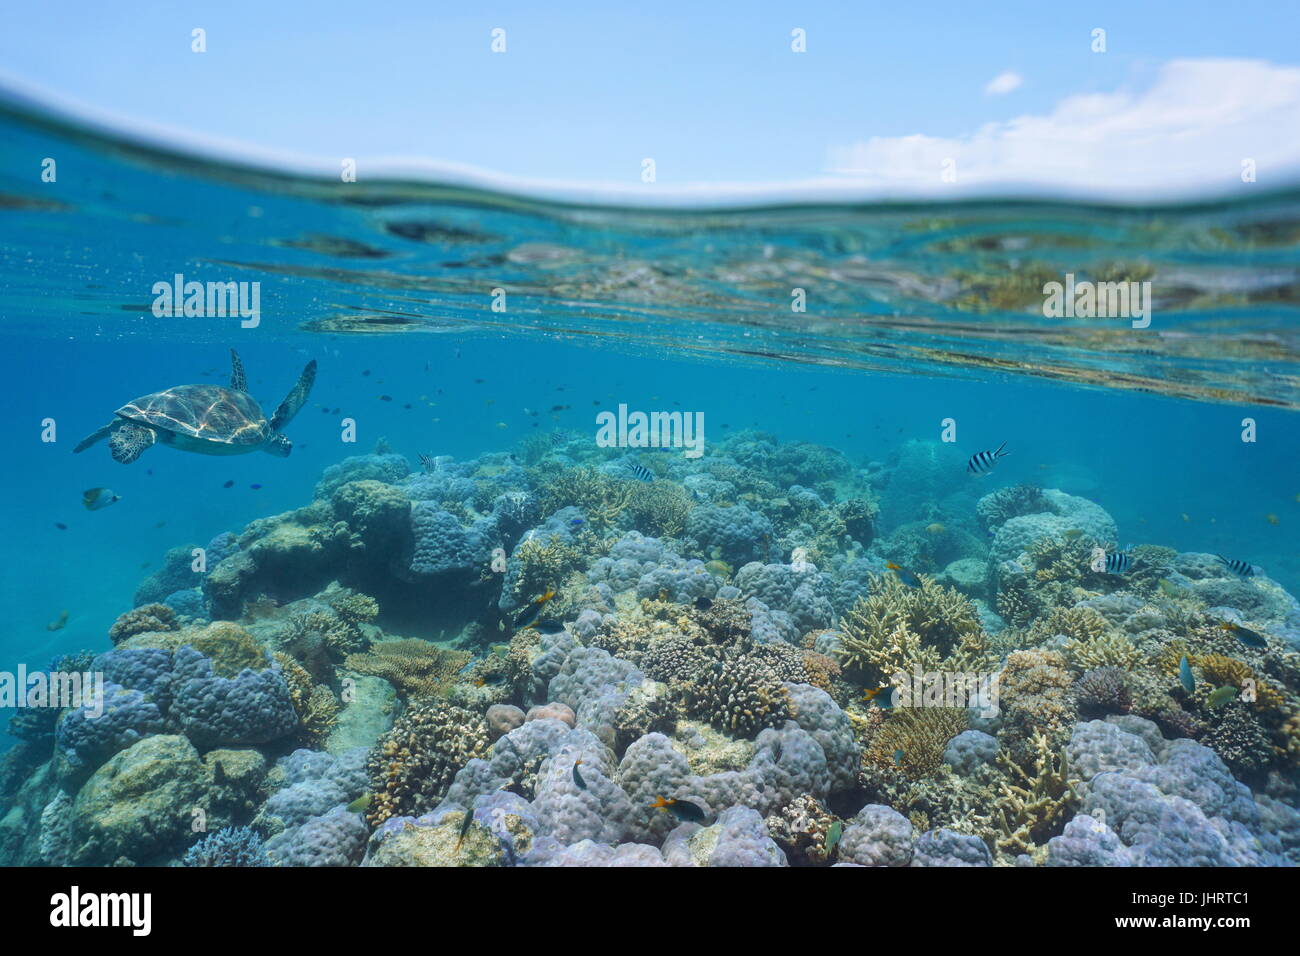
(712, 92)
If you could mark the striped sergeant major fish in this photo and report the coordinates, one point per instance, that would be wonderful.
(1237, 566)
(643, 473)
(982, 462)
(1118, 562)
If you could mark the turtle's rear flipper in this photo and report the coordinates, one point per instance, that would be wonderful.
(238, 380)
(93, 437)
(296, 399)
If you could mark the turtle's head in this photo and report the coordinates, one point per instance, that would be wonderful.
(279, 446)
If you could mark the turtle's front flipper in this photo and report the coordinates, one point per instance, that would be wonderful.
(238, 380)
(296, 399)
(97, 435)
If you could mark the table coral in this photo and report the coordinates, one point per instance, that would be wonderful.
(415, 668)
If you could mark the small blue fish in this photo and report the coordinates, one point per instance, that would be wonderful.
(1237, 566)
(1185, 675)
(898, 757)
(981, 463)
(643, 473)
(575, 522)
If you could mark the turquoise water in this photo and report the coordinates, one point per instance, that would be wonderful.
(915, 314)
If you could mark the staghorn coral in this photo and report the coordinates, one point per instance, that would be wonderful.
(1076, 623)
(413, 764)
(150, 617)
(316, 639)
(599, 496)
(1033, 807)
(898, 628)
(228, 847)
(414, 667)
(1108, 650)
(1017, 604)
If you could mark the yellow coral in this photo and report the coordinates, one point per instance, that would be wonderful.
(415, 668)
(1108, 650)
(912, 739)
(1220, 669)
(1032, 808)
(898, 628)
(601, 497)
(315, 704)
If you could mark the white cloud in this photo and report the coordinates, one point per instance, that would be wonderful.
(1191, 128)
(1003, 83)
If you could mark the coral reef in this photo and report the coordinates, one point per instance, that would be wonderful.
(717, 678)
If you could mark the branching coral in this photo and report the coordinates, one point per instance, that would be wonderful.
(415, 668)
(543, 564)
(801, 828)
(821, 670)
(601, 497)
(1076, 623)
(898, 628)
(1033, 807)
(1014, 501)
(1102, 690)
(315, 704)
(412, 765)
(1220, 669)
(1108, 650)
(741, 693)
(858, 517)
(911, 740)
(659, 509)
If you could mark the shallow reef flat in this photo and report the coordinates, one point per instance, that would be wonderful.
(770, 655)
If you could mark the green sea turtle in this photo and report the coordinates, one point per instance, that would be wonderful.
(208, 419)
